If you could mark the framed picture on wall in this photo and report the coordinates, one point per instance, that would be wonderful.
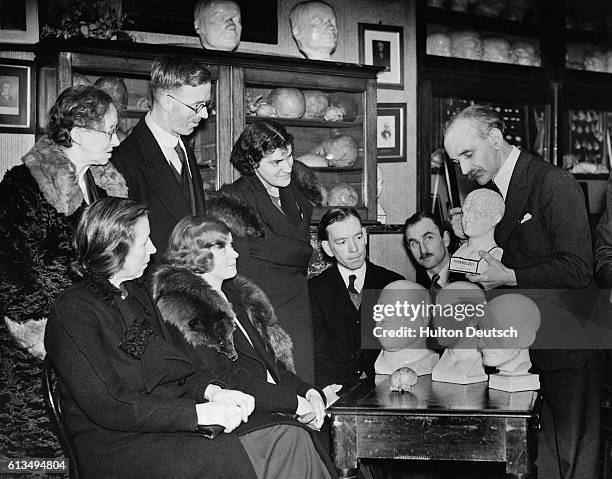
(18, 21)
(17, 96)
(391, 132)
(383, 46)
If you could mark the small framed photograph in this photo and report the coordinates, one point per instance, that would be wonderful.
(383, 46)
(17, 96)
(18, 21)
(391, 132)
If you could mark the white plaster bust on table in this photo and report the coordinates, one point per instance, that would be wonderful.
(482, 211)
(409, 352)
(218, 24)
(313, 24)
(461, 362)
(510, 355)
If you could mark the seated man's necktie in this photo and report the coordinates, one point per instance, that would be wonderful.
(353, 293)
(435, 285)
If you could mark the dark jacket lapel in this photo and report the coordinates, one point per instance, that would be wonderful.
(516, 198)
(159, 174)
(196, 179)
(290, 224)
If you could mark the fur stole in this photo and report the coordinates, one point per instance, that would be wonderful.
(241, 219)
(56, 177)
(205, 318)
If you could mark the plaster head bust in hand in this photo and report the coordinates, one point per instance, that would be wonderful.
(482, 211)
(510, 312)
(313, 24)
(218, 24)
(404, 351)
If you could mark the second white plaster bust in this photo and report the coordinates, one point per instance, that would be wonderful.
(218, 24)
(313, 24)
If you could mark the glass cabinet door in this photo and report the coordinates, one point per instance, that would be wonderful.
(328, 128)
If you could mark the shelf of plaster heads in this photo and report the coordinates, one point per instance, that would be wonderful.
(484, 68)
(479, 22)
(309, 123)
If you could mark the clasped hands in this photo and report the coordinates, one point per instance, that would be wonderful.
(496, 273)
(311, 409)
(226, 407)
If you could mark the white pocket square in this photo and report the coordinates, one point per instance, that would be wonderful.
(526, 218)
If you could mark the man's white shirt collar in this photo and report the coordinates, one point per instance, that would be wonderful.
(503, 176)
(166, 142)
(360, 273)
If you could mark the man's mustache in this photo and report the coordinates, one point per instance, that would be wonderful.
(426, 255)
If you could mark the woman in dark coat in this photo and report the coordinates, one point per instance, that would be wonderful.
(276, 257)
(133, 399)
(232, 329)
(40, 202)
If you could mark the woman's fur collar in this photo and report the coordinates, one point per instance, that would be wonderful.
(241, 219)
(204, 317)
(56, 177)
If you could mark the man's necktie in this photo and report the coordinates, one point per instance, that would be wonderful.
(435, 286)
(492, 186)
(353, 293)
(184, 171)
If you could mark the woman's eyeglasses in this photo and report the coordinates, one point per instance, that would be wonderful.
(209, 105)
(109, 133)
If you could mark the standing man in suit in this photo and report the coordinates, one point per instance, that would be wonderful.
(335, 298)
(159, 168)
(547, 244)
(428, 243)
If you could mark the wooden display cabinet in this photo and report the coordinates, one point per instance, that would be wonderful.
(236, 77)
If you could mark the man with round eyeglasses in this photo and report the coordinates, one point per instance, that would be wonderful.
(159, 167)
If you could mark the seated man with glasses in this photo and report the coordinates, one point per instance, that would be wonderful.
(159, 167)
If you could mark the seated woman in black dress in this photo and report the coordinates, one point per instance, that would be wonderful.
(231, 327)
(133, 398)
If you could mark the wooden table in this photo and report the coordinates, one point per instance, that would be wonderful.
(435, 421)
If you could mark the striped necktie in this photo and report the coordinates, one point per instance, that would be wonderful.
(353, 293)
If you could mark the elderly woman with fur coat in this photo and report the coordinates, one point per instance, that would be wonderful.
(231, 328)
(40, 202)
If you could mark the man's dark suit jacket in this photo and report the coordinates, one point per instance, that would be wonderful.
(552, 249)
(337, 332)
(150, 179)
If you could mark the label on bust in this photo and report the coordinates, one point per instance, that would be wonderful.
(463, 265)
